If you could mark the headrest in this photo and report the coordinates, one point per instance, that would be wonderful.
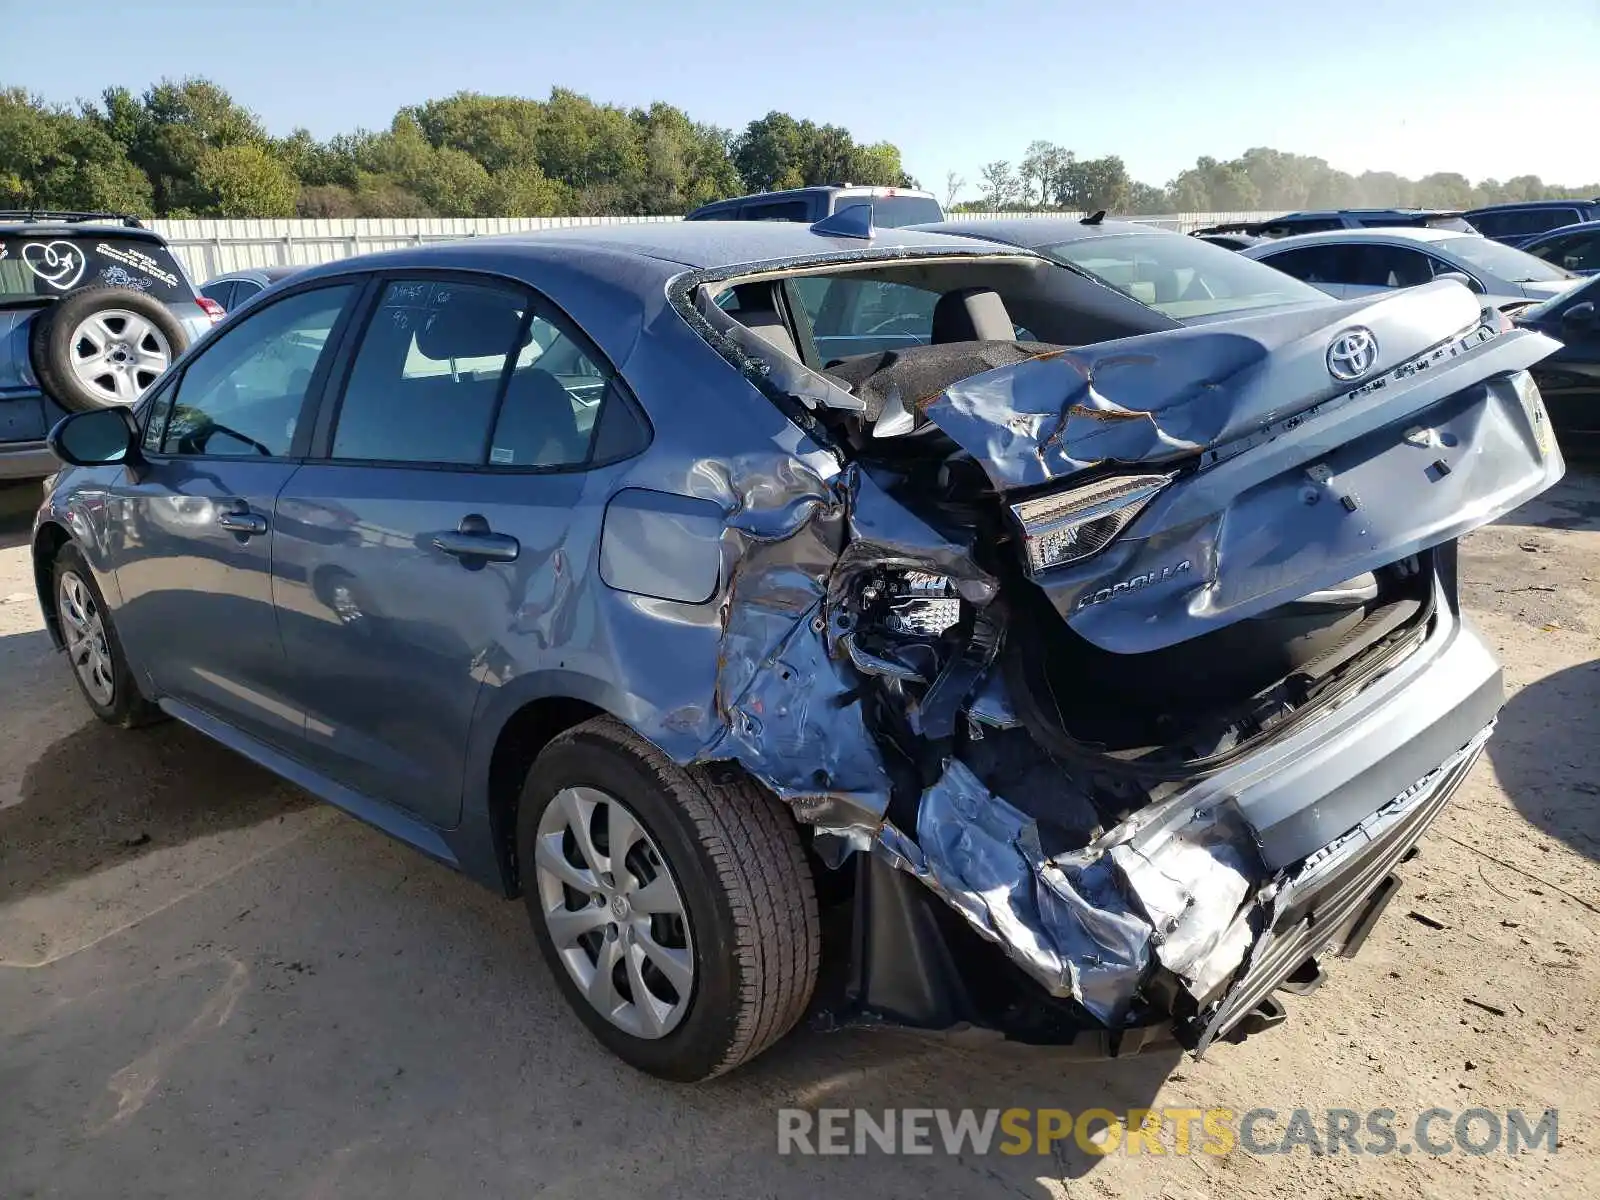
(972, 315)
(470, 324)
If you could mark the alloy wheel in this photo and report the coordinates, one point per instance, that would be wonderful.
(614, 912)
(117, 354)
(83, 629)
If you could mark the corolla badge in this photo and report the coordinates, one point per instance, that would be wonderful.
(1352, 354)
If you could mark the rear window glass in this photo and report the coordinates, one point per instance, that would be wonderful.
(54, 266)
(893, 212)
(1182, 277)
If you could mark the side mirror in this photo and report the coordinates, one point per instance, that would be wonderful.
(1579, 316)
(1461, 277)
(102, 437)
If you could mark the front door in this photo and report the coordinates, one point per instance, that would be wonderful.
(438, 510)
(195, 570)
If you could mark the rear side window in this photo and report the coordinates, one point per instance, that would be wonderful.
(222, 293)
(470, 375)
(54, 266)
(893, 212)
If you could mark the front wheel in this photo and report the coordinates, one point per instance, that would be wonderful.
(677, 914)
(99, 666)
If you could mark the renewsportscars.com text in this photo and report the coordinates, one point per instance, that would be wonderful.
(1179, 1131)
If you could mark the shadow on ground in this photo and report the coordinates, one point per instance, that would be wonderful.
(102, 795)
(1546, 753)
(348, 1019)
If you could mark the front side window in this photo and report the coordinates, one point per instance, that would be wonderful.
(470, 375)
(1316, 264)
(242, 395)
(1502, 260)
(1180, 276)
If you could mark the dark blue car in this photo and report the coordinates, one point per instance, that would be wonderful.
(1575, 248)
(1098, 679)
(1570, 378)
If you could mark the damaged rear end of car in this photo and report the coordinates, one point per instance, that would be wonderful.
(1137, 665)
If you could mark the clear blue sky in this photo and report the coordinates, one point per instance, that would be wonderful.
(1463, 85)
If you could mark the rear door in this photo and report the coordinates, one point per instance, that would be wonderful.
(195, 569)
(441, 496)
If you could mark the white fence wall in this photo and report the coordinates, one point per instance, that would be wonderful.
(212, 247)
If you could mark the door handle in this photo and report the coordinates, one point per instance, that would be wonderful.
(242, 522)
(474, 543)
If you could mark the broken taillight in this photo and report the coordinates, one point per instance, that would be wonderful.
(211, 308)
(1070, 526)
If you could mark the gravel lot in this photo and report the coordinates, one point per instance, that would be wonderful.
(211, 985)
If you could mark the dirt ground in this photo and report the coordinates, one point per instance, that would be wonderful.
(210, 985)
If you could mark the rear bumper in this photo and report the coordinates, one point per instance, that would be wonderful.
(1183, 920)
(1307, 789)
(27, 460)
(1324, 901)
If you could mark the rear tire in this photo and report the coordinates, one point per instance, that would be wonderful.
(99, 665)
(736, 868)
(61, 349)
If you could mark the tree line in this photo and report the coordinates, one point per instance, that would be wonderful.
(1261, 179)
(186, 148)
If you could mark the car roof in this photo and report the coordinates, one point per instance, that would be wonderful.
(1514, 205)
(1563, 230)
(270, 274)
(707, 245)
(1035, 231)
(865, 189)
(65, 229)
(1398, 233)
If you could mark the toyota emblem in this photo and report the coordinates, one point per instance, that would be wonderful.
(1352, 354)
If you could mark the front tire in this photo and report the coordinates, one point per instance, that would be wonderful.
(695, 946)
(99, 665)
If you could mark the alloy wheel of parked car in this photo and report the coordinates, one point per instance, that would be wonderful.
(90, 640)
(84, 632)
(677, 912)
(117, 354)
(613, 912)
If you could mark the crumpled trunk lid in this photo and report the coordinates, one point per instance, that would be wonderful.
(1289, 479)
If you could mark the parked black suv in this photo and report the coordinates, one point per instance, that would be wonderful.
(891, 207)
(1514, 224)
(93, 307)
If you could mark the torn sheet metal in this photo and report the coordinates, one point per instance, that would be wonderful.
(791, 712)
(1090, 924)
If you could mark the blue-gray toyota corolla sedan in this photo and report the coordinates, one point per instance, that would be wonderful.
(694, 581)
